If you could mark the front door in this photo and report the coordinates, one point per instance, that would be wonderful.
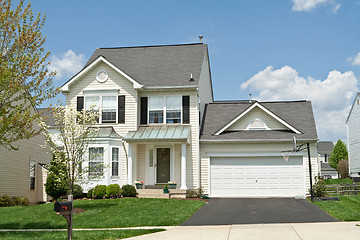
(163, 165)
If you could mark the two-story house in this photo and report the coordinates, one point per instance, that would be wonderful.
(158, 123)
(150, 101)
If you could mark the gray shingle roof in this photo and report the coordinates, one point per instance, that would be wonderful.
(326, 167)
(325, 147)
(166, 65)
(298, 114)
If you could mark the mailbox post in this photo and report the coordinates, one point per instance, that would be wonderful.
(65, 209)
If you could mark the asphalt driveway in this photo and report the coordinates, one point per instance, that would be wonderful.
(225, 211)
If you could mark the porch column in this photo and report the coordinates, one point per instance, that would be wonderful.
(130, 164)
(183, 166)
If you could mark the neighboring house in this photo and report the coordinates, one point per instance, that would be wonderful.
(23, 171)
(324, 151)
(160, 124)
(353, 137)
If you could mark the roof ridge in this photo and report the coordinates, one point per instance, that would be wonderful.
(161, 45)
(253, 101)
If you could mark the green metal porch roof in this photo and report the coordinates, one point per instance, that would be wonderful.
(159, 133)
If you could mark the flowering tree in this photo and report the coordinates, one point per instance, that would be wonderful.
(24, 79)
(69, 141)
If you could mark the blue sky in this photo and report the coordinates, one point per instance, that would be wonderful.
(276, 50)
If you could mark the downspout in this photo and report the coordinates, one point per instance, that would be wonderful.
(126, 157)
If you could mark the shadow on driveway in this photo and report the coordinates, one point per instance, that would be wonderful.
(224, 211)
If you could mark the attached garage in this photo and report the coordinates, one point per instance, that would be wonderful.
(256, 177)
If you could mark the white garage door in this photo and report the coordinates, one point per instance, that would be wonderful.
(256, 177)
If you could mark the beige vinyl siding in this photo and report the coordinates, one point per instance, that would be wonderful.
(257, 113)
(15, 168)
(141, 162)
(41, 180)
(218, 147)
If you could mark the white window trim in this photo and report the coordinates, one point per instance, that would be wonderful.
(118, 161)
(164, 109)
(104, 161)
(101, 94)
(32, 161)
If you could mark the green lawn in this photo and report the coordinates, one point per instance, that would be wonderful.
(104, 213)
(94, 235)
(347, 209)
(338, 181)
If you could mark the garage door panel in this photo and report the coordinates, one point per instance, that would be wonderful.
(262, 177)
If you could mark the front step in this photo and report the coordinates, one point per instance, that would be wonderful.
(159, 193)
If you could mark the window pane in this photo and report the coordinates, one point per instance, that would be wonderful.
(109, 109)
(109, 102)
(156, 103)
(96, 154)
(109, 116)
(115, 168)
(92, 102)
(156, 117)
(151, 160)
(115, 154)
(173, 116)
(173, 102)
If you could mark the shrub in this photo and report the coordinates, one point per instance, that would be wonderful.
(343, 168)
(56, 183)
(54, 186)
(6, 201)
(99, 191)
(319, 188)
(128, 191)
(194, 193)
(113, 191)
(90, 193)
(20, 201)
(78, 192)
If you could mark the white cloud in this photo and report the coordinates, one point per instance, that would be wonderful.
(308, 5)
(336, 8)
(331, 98)
(355, 60)
(67, 65)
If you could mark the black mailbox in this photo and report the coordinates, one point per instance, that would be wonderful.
(63, 206)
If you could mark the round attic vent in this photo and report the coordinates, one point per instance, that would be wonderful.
(102, 76)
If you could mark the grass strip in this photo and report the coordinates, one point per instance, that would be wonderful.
(347, 209)
(93, 235)
(103, 213)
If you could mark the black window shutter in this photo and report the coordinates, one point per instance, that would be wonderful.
(121, 109)
(80, 104)
(186, 109)
(143, 110)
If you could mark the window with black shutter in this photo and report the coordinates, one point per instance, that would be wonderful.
(80, 104)
(121, 109)
(143, 110)
(186, 109)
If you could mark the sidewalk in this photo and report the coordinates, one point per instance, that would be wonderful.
(293, 231)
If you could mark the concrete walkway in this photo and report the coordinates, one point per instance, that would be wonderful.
(286, 231)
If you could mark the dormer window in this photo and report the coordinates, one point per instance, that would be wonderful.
(257, 124)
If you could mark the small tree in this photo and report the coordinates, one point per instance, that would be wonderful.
(75, 132)
(24, 79)
(343, 168)
(338, 153)
(57, 182)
